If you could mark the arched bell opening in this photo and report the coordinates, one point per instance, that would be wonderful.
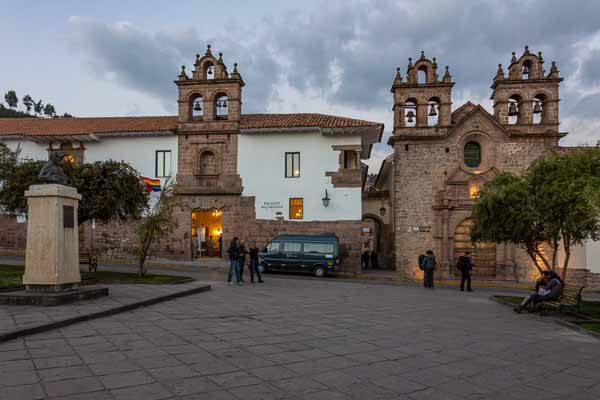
(514, 109)
(433, 111)
(422, 75)
(209, 71)
(221, 106)
(410, 113)
(526, 70)
(539, 109)
(196, 107)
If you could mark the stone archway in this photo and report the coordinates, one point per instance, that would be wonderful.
(483, 253)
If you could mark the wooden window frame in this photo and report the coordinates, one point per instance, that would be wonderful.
(293, 215)
(290, 174)
(156, 171)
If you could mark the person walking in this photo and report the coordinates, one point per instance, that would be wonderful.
(465, 266)
(253, 252)
(429, 264)
(243, 252)
(234, 259)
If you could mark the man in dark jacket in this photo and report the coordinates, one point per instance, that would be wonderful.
(465, 266)
(234, 259)
(254, 268)
(242, 263)
(429, 264)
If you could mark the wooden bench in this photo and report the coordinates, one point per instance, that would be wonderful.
(569, 300)
(88, 257)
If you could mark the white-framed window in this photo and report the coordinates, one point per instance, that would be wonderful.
(163, 163)
(292, 165)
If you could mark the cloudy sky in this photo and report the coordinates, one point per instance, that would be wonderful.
(112, 58)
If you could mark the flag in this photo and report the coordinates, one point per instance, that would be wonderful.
(152, 185)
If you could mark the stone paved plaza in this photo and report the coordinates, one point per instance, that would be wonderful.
(308, 339)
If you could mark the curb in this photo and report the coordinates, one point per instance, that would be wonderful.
(104, 313)
(576, 327)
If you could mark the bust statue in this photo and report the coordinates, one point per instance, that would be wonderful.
(52, 173)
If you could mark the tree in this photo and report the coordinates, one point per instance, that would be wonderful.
(66, 115)
(28, 102)
(11, 99)
(38, 107)
(49, 110)
(157, 223)
(110, 189)
(555, 204)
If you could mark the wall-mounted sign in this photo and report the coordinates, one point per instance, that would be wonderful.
(419, 228)
(271, 205)
(21, 218)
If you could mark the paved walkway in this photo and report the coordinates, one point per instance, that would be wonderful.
(308, 339)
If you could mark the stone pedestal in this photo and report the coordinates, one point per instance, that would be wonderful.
(52, 257)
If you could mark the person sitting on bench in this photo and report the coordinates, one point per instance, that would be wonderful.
(548, 292)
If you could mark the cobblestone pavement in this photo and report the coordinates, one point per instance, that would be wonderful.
(308, 339)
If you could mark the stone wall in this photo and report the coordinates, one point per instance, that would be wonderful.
(13, 236)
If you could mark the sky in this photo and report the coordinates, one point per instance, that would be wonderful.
(119, 58)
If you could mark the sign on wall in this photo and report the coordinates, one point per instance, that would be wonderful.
(271, 205)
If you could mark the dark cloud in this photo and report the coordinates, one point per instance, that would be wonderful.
(347, 51)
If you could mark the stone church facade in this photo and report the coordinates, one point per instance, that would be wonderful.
(441, 159)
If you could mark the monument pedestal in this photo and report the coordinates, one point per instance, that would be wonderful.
(52, 259)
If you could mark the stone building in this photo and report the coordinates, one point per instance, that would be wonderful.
(247, 175)
(442, 157)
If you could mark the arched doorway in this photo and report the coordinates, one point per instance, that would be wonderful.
(371, 240)
(483, 253)
(207, 233)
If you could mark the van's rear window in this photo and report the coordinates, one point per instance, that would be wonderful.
(321, 248)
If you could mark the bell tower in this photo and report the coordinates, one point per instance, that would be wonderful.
(208, 126)
(526, 101)
(422, 102)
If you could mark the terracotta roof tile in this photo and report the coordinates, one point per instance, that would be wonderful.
(83, 126)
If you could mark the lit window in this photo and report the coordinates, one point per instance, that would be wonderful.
(472, 154)
(292, 165)
(69, 159)
(163, 163)
(296, 208)
(473, 190)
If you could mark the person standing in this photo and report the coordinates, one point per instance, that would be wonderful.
(254, 263)
(429, 264)
(242, 259)
(465, 266)
(210, 246)
(374, 260)
(234, 259)
(197, 243)
(365, 259)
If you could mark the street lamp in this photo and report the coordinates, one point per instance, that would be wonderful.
(326, 199)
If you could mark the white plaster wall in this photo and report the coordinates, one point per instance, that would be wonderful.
(261, 164)
(593, 256)
(29, 149)
(139, 152)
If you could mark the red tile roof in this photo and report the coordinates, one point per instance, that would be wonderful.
(83, 126)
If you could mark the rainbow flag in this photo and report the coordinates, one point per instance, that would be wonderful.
(152, 185)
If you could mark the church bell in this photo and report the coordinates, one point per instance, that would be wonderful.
(197, 106)
(512, 109)
(537, 108)
(432, 111)
(410, 115)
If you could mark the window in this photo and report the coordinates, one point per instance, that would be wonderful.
(273, 247)
(321, 248)
(472, 154)
(350, 159)
(163, 163)
(292, 165)
(296, 209)
(292, 247)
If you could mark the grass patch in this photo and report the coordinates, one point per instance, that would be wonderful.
(516, 300)
(11, 276)
(591, 326)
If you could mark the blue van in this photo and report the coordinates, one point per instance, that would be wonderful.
(317, 254)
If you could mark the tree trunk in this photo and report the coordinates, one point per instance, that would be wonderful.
(543, 258)
(555, 245)
(535, 261)
(567, 246)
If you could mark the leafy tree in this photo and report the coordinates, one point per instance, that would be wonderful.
(49, 110)
(11, 99)
(66, 115)
(157, 223)
(555, 204)
(38, 108)
(28, 102)
(110, 189)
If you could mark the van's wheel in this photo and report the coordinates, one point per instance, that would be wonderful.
(262, 268)
(320, 272)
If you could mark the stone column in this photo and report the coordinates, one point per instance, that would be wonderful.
(52, 257)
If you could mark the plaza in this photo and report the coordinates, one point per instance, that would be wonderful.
(302, 338)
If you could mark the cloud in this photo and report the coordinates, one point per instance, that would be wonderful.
(341, 57)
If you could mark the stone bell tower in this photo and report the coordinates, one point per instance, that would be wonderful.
(208, 126)
(526, 101)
